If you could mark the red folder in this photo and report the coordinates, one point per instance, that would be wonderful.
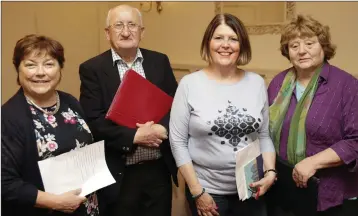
(137, 100)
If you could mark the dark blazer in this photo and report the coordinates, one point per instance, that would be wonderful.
(20, 174)
(99, 83)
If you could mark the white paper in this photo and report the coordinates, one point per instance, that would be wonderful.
(243, 157)
(84, 168)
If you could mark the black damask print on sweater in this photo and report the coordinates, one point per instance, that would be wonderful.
(233, 125)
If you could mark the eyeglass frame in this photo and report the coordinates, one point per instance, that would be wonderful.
(137, 26)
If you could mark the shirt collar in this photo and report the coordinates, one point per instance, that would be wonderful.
(325, 71)
(116, 57)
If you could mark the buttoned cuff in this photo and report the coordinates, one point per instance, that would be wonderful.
(127, 140)
(347, 153)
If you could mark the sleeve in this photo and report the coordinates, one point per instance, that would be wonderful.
(179, 125)
(13, 187)
(266, 144)
(171, 87)
(116, 137)
(347, 148)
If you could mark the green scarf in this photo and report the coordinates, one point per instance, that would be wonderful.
(296, 146)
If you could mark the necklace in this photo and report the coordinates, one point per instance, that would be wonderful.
(45, 111)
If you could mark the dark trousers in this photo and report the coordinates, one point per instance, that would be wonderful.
(146, 190)
(231, 205)
(348, 208)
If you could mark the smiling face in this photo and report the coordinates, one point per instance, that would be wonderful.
(224, 46)
(39, 74)
(305, 53)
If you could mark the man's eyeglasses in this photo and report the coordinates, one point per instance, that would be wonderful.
(119, 27)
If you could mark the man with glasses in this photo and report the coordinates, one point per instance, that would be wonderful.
(139, 159)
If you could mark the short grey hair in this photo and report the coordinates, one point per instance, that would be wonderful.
(136, 9)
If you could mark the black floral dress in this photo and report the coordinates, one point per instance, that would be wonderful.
(59, 133)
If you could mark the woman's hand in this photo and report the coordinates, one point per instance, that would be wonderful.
(206, 205)
(303, 170)
(68, 202)
(308, 167)
(264, 184)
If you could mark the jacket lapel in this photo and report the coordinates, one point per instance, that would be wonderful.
(111, 71)
(149, 68)
(22, 108)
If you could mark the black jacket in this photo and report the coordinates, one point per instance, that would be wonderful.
(99, 83)
(20, 174)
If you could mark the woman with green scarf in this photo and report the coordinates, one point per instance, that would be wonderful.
(314, 126)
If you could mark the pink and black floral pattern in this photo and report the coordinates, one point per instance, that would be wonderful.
(59, 133)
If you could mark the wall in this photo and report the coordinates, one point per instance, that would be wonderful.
(187, 22)
(176, 31)
(344, 31)
(75, 24)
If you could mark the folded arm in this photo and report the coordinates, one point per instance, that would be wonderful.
(266, 145)
(92, 101)
(179, 134)
(347, 148)
(343, 152)
(13, 187)
(15, 190)
(267, 149)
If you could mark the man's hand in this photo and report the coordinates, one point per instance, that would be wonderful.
(149, 136)
(161, 131)
(303, 170)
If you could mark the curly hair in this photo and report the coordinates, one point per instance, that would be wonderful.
(306, 26)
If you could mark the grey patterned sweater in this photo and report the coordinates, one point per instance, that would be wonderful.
(211, 121)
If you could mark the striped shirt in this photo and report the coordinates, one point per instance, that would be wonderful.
(332, 122)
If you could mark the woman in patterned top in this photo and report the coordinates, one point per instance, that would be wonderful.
(39, 122)
(218, 111)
